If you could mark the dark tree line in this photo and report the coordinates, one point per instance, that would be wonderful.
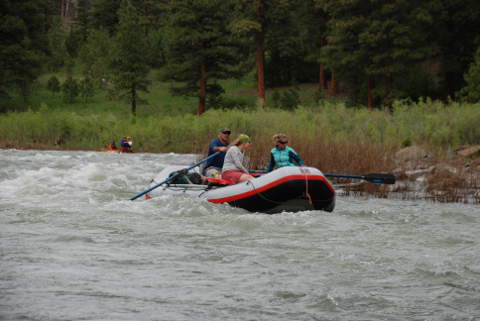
(371, 51)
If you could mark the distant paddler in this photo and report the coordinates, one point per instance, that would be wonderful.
(126, 144)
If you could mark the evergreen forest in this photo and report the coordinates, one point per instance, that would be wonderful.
(69, 59)
(369, 52)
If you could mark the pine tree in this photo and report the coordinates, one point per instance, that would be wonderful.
(199, 47)
(95, 55)
(455, 37)
(23, 42)
(129, 65)
(82, 21)
(471, 92)
(375, 40)
(279, 36)
(104, 14)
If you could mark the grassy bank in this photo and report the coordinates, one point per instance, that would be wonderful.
(427, 123)
(322, 130)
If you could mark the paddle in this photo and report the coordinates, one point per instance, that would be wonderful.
(172, 177)
(372, 177)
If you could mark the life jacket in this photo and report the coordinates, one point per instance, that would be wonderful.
(282, 157)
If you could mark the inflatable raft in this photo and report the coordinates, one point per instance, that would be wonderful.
(290, 189)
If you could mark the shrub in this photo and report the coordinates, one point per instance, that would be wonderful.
(70, 90)
(471, 92)
(289, 99)
(86, 89)
(53, 84)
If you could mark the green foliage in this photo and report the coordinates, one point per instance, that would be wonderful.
(380, 40)
(70, 90)
(406, 143)
(57, 36)
(86, 89)
(425, 123)
(154, 48)
(83, 19)
(73, 42)
(196, 34)
(471, 92)
(454, 38)
(104, 15)
(129, 65)
(53, 84)
(23, 45)
(95, 55)
(288, 99)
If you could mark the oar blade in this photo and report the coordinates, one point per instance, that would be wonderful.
(380, 178)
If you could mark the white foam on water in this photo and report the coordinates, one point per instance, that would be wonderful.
(74, 247)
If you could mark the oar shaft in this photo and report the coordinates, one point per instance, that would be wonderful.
(379, 178)
(345, 176)
(173, 176)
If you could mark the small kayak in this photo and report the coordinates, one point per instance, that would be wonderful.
(115, 151)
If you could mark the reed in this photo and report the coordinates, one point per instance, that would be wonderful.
(332, 129)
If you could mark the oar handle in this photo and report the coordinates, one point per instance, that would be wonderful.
(182, 171)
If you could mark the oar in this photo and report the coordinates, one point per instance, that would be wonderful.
(372, 178)
(180, 172)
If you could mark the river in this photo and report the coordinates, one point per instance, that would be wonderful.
(73, 247)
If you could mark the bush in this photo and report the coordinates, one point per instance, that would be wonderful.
(289, 99)
(86, 89)
(53, 84)
(471, 92)
(70, 90)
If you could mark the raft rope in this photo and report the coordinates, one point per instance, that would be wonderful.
(307, 194)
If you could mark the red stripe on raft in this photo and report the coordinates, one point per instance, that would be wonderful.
(273, 184)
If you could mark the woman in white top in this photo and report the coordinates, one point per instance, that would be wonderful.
(233, 168)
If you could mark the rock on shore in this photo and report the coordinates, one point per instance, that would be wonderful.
(452, 177)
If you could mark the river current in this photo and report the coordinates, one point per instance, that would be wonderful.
(73, 247)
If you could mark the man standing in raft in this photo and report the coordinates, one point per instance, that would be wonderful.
(282, 155)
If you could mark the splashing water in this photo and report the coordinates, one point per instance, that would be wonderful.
(74, 248)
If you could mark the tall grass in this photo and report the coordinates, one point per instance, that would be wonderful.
(313, 130)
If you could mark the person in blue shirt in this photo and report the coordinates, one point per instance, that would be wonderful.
(282, 155)
(213, 167)
(126, 145)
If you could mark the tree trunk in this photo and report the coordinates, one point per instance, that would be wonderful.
(322, 81)
(322, 85)
(371, 86)
(62, 9)
(260, 42)
(203, 89)
(388, 89)
(333, 85)
(134, 101)
(449, 93)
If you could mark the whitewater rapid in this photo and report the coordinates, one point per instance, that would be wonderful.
(73, 247)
